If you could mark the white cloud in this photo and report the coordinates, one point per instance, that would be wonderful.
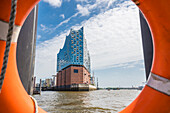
(54, 3)
(43, 27)
(113, 39)
(110, 3)
(38, 36)
(101, 5)
(62, 15)
(82, 1)
(117, 37)
(46, 56)
(67, 0)
(50, 30)
(83, 10)
(65, 21)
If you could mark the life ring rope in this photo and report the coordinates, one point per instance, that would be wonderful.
(8, 42)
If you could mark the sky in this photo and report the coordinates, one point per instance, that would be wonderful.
(112, 30)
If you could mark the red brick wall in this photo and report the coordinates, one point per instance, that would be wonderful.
(76, 78)
(68, 77)
(59, 78)
(86, 77)
(63, 77)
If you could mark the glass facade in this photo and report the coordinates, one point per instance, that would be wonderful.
(74, 51)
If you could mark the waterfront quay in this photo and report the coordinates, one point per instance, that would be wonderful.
(74, 87)
(85, 87)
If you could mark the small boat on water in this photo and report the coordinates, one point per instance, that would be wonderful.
(140, 87)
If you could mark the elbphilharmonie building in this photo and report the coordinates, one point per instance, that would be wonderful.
(73, 61)
(74, 51)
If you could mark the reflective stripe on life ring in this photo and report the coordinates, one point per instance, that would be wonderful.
(159, 83)
(4, 29)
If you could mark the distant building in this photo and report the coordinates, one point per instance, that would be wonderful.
(97, 84)
(37, 85)
(54, 80)
(73, 61)
(34, 83)
(48, 82)
(43, 83)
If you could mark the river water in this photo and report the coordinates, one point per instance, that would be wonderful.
(86, 102)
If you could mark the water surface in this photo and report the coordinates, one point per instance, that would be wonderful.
(86, 102)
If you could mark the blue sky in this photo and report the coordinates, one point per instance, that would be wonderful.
(112, 30)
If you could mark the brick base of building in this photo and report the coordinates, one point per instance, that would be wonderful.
(73, 77)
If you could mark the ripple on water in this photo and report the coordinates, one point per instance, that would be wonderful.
(86, 102)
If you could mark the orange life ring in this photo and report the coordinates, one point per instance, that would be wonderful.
(155, 97)
(13, 97)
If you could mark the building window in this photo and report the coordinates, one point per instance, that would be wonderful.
(75, 70)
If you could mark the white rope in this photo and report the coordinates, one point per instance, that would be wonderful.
(35, 104)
